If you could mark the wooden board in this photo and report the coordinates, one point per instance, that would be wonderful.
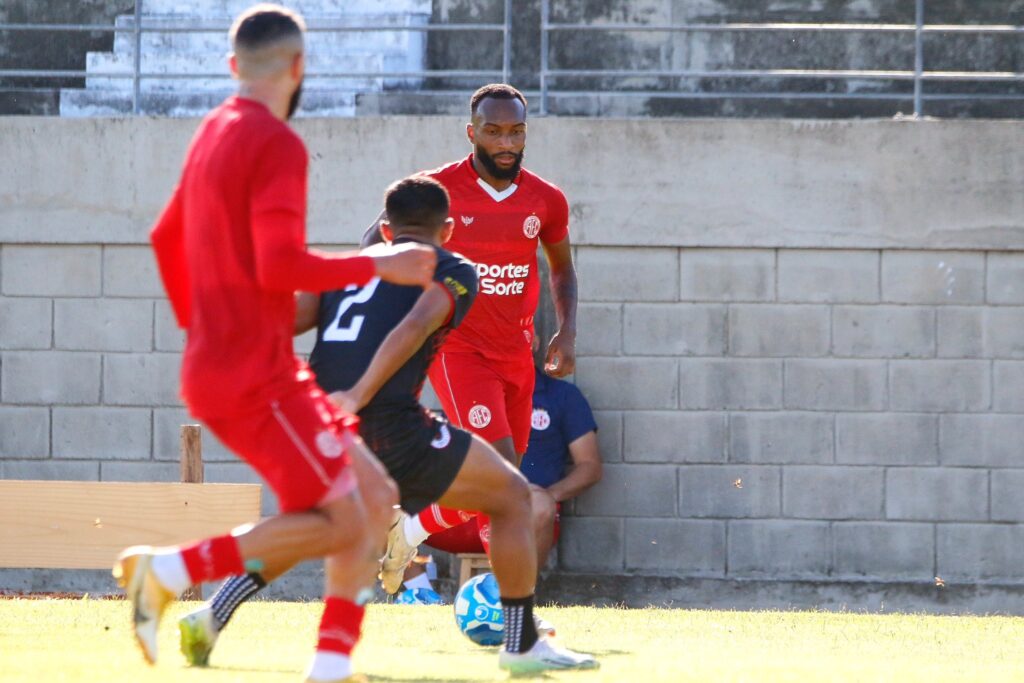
(84, 525)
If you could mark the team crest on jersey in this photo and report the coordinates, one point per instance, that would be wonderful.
(328, 444)
(480, 416)
(467, 220)
(540, 420)
(443, 438)
(531, 226)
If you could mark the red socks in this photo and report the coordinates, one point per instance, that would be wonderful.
(340, 626)
(436, 519)
(212, 559)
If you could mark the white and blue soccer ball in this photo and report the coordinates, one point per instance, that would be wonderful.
(478, 610)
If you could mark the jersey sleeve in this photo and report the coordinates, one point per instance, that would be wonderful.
(168, 239)
(577, 418)
(458, 277)
(556, 225)
(278, 215)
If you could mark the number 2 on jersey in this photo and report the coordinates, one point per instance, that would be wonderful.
(353, 295)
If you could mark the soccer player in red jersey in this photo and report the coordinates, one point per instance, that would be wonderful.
(484, 373)
(230, 246)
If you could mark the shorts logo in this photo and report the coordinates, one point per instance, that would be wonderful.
(443, 438)
(531, 226)
(480, 416)
(329, 444)
(540, 419)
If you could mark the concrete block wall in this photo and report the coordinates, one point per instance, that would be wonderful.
(804, 364)
(89, 362)
(802, 414)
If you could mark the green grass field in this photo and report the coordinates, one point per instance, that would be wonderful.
(88, 641)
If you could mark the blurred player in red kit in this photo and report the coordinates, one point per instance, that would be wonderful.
(484, 374)
(230, 246)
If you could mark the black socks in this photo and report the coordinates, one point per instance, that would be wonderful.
(520, 630)
(233, 593)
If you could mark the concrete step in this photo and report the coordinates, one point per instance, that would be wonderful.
(82, 103)
(426, 103)
(99, 63)
(29, 102)
(397, 41)
(231, 8)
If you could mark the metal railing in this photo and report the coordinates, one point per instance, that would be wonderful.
(918, 75)
(139, 27)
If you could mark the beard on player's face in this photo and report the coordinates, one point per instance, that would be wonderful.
(492, 167)
(293, 103)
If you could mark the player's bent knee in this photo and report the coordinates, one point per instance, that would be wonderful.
(346, 518)
(516, 496)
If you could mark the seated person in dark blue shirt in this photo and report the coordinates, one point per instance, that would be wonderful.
(562, 457)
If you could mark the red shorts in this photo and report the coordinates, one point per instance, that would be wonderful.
(493, 399)
(465, 538)
(294, 444)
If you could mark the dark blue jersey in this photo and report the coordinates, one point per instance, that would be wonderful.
(560, 416)
(353, 322)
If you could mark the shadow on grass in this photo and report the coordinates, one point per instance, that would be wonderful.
(246, 670)
(420, 679)
(610, 653)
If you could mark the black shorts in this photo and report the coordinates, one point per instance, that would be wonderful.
(421, 452)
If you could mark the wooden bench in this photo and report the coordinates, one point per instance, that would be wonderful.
(84, 525)
(470, 564)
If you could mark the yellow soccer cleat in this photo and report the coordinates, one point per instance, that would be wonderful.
(397, 557)
(149, 598)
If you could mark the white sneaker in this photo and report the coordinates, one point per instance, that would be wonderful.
(198, 636)
(545, 655)
(545, 629)
(398, 556)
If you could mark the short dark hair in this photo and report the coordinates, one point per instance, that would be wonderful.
(499, 91)
(417, 203)
(263, 25)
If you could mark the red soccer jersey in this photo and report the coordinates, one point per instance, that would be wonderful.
(498, 231)
(231, 250)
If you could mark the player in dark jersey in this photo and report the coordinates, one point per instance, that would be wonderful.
(374, 345)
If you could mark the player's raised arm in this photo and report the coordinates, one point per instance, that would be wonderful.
(168, 238)
(432, 310)
(283, 263)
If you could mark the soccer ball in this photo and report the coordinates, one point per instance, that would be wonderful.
(478, 610)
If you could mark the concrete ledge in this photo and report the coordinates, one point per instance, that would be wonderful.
(733, 594)
(655, 182)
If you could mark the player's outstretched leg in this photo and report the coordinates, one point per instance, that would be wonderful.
(200, 629)
(493, 486)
